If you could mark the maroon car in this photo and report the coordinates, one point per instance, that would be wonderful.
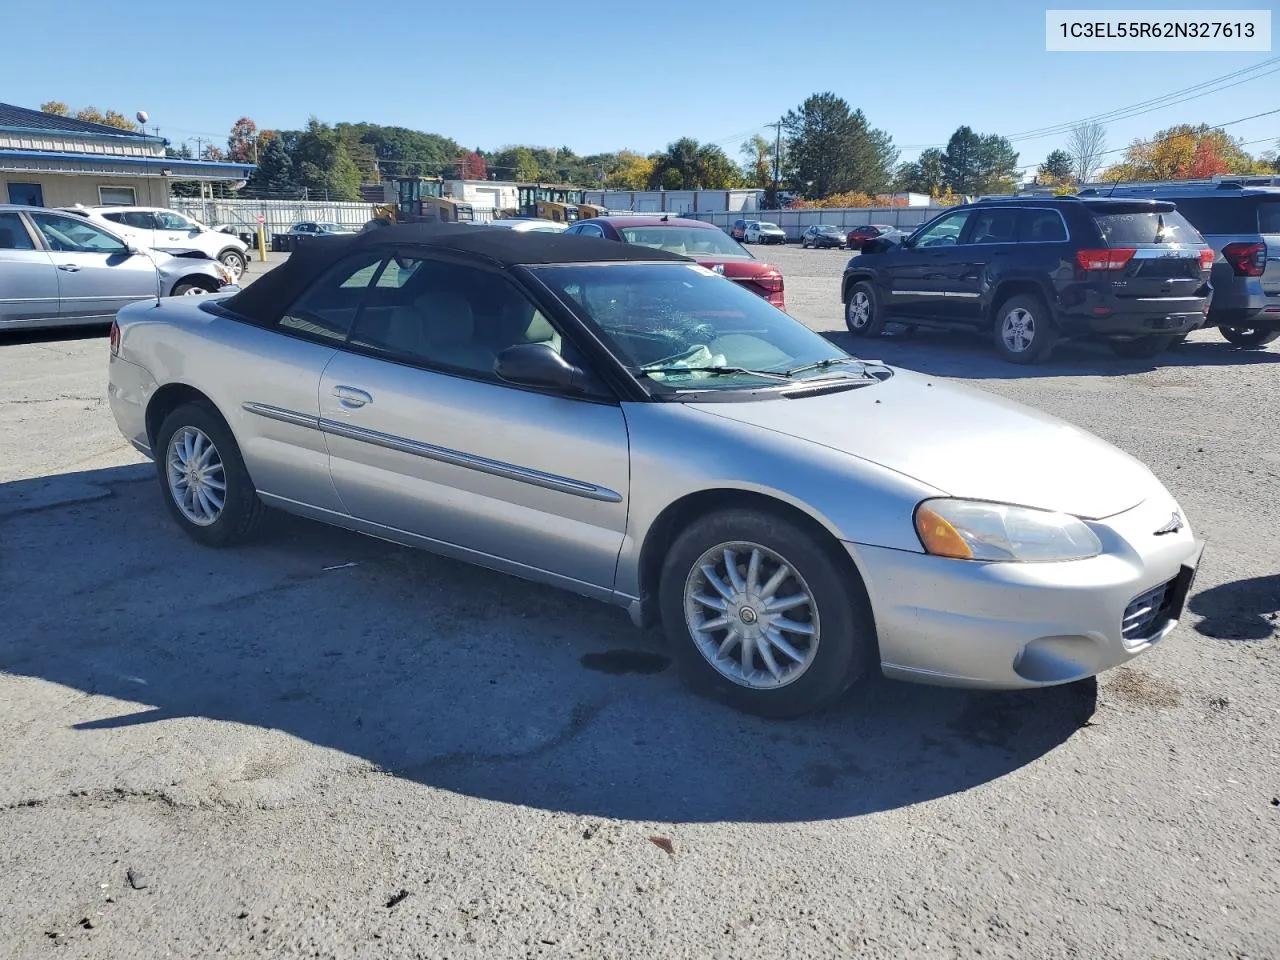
(710, 246)
(860, 235)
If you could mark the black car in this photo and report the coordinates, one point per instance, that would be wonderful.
(822, 235)
(1242, 224)
(1032, 272)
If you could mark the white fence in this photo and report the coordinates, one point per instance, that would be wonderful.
(280, 214)
(794, 222)
(283, 214)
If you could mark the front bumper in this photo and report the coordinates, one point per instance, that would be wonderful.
(1022, 625)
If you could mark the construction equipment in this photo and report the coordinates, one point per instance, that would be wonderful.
(419, 200)
(559, 202)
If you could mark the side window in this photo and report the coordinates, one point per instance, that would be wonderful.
(134, 218)
(1040, 226)
(13, 233)
(173, 221)
(945, 231)
(590, 230)
(72, 235)
(328, 308)
(450, 316)
(994, 225)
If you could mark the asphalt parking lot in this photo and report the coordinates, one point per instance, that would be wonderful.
(324, 745)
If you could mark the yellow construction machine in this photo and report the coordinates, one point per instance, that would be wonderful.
(419, 200)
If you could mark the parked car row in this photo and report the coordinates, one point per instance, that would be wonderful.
(159, 228)
(757, 231)
(1124, 267)
(62, 269)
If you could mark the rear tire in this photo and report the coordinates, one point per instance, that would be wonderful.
(863, 314)
(1023, 331)
(1143, 348)
(1248, 336)
(219, 518)
(800, 658)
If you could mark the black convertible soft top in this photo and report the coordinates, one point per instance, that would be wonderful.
(265, 299)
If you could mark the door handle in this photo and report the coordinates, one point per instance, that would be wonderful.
(69, 267)
(351, 397)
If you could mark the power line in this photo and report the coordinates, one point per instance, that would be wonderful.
(1137, 109)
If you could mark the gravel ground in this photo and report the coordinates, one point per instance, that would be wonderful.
(324, 745)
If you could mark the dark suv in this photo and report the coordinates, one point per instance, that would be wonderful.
(1032, 272)
(1242, 224)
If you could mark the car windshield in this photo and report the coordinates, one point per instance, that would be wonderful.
(686, 241)
(682, 327)
(828, 228)
(765, 225)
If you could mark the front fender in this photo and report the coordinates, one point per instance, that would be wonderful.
(677, 451)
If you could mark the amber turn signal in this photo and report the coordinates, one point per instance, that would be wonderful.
(939, 537)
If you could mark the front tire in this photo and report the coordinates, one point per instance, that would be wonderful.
(234, 261)
(192, 288)
(763, 616)
(1142, 348)
(1248, 336)
(205, 483)
(1023, 331)
(862, 312)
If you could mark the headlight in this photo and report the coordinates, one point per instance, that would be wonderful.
(972, 530)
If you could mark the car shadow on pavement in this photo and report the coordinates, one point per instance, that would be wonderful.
(445, 674)
(956, 354)
(1240, 610)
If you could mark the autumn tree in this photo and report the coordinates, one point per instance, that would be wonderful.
(1181, 152)
(241, 145)
(1087, 146)
(473, 167)
(55, 107)
(212, 152)
(757, 162)
(631, 171)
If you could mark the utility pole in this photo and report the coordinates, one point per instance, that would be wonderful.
(199, 141)
(777, 151)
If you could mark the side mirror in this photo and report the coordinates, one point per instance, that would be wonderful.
(131, 249)
(537, 365)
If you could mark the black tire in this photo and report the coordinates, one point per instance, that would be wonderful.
(846, 645)
(234, 261)
(1248, 336)
(1028, 315)
(192, 287)
(873, 323)
(242, 512)
(1141, 348)
(804, 244)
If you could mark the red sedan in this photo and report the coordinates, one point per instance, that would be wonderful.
(710, 246)
(860, 235)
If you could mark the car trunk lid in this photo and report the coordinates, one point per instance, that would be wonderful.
(1149, 251)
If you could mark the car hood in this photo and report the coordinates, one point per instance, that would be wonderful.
(962, 441)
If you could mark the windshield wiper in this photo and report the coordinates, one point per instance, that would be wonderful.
(820, 365)
(718, 371)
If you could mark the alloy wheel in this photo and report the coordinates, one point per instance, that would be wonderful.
(751, 615)
(859, 310)
(197, 478)
(1018, 330)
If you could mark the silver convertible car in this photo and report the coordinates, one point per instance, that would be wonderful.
(626, 424)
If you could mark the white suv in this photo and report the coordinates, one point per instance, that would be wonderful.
(171, 232)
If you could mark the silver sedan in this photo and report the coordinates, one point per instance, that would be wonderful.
(623, 423)
(62, 270)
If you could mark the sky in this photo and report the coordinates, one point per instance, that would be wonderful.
(602, 76)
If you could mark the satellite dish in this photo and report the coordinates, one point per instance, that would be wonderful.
(142, 116)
